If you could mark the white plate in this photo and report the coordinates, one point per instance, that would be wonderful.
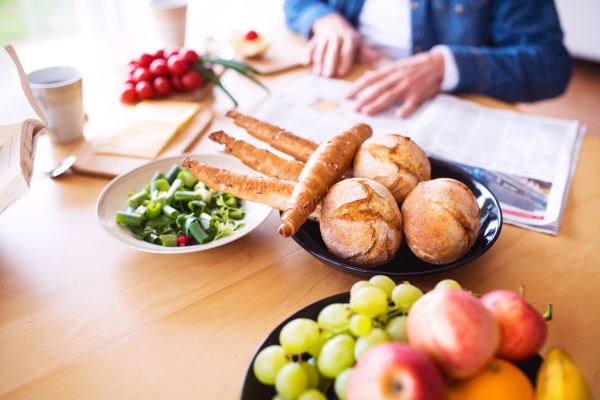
(114, 197)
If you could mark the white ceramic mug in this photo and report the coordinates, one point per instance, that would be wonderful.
(58, 91)
(170, 16)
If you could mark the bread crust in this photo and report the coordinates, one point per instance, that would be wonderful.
(272, 192)
(395, 161)
(325, 167)
(361, 223)
(260, 160)
(280, 139)
(441, 220)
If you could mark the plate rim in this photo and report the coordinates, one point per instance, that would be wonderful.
(174, 250)
(443, 267)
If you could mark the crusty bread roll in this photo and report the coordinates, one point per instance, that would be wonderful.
(394, 161)
(441, 220)
(361, 223)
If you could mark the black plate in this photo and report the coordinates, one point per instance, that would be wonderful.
(254, 390)
(405, 263)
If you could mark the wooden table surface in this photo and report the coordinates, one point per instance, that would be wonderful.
(82, 316)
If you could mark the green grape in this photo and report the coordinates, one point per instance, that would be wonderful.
(312, 394)
(364, 343)
(334, 316)
(384, 283)
(449, 283)
(312, 374)
(291, 381)
(404, 295)
(369, 301)
(324, 382)
(278, 397)
(359, 285)
(360, 325)
(336, 356)
(341, 383)
(299, 335)
(316, 349)
(396, 329)
(268, 363)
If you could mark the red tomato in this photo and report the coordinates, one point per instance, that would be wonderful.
(159, 67)
(144, 90)
(131, 67)
(141, 74)
(145, 60)
(251, 35)
(176, 82)
(169, 51)
(159, 54)
(131, 81)
(176, 65)
(128, 95)
(191, 80)
(162, 86)
(189, 55)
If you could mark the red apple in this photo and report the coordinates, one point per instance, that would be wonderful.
(395, 371)
(455, 329)
(523, 329)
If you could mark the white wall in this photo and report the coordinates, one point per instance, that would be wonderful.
(580, 20)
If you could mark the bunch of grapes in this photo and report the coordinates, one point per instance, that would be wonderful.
(312, 356)
(161, 73)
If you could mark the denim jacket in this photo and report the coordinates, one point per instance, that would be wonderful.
(508, 49)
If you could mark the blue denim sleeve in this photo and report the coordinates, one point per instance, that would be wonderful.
(527, 60)
(301, 14)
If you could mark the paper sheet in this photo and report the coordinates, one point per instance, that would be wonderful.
(526, 161)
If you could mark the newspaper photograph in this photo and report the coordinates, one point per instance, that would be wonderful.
(527, 161)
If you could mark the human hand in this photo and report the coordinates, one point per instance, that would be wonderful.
(413, 79)
(334, 45)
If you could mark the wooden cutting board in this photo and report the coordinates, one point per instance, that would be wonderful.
(109, 166)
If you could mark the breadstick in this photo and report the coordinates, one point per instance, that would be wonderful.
(260, 160)
(272, 192)
(325, 167)
(278, 138)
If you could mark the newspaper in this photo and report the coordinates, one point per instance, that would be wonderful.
(527, 161)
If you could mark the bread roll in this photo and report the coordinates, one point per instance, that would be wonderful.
(361, 223)
(441, 220)
(394, 161)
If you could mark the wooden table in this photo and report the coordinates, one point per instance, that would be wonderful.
(82, 316)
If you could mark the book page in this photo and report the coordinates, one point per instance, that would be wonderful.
(15, 107)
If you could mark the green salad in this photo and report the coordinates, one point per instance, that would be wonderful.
(179, 210)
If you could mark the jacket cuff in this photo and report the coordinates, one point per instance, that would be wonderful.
(472, 68)
(310, 14)
(451, 73)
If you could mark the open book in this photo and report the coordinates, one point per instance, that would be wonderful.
(21, 120)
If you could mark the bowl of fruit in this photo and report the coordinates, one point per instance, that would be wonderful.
(177, 71)
(386, 341)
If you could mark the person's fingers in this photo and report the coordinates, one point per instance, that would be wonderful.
(366, 80)
(310, 48)
(318, 55)
(368, 55)
(347, 53)
(332, 54)
(409, 106)
(377, 89)
(386, 99)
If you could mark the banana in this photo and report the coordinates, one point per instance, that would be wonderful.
(559, 379)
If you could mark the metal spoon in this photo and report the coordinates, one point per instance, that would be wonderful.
(62, 168)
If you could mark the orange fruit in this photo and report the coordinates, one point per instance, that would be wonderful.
(507, 382)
